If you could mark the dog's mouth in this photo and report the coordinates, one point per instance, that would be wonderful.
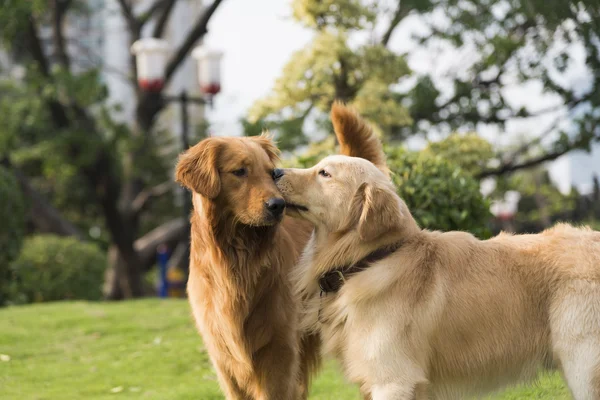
(295, 207)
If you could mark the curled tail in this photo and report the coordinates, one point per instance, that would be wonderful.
(356, 137)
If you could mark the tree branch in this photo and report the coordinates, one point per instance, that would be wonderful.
(149, 13)
(161, 23)
(197, 32)
(132, 21)
(167, 233)
(35, 46)
(60, 10)
(526, 146)
(142, 200)
(399, 15)
(58, 112)
(512, 166)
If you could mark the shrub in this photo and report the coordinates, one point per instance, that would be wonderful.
(440, 195)
(12, 226)
(53, 268)
(469, 151)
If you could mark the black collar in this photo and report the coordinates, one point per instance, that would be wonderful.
(332, 281)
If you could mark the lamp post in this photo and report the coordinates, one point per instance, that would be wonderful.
(151, 61)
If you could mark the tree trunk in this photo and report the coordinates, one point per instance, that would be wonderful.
(119, 281)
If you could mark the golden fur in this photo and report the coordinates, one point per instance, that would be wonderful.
(239, 264)
(239, 287)
(447, 316)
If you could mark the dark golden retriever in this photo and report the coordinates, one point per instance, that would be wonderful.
(242, 251)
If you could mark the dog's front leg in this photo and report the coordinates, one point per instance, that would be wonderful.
(229, 385)
(276, 371)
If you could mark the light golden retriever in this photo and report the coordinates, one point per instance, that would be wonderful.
(414, 314)
(242, 251)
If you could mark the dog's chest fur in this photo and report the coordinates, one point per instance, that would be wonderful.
(356, 333)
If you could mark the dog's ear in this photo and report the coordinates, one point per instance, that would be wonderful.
(266, 142)
(197, 168)
(374, 211)
(356, 137)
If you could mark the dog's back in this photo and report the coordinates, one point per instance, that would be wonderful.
(515, 304)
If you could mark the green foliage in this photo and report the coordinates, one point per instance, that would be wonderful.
(537, 43)
(315, 152)
(12, 227)
(53, 268)
(287, 131)
(469, 151)
(514, 43)
(341, 14)
(334, 66)
(440, 195)
(47, 154)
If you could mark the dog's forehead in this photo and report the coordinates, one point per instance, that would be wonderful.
(242, 151)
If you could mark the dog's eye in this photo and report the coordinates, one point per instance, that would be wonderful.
(240, 172)
(324, 173)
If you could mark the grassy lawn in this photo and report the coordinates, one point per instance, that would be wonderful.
(144, 349)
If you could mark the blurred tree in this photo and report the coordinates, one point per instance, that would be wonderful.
(63, 145)
(509, 44)
(335, 65)
(529, 44)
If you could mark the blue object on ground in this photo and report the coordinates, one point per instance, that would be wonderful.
(163, 258)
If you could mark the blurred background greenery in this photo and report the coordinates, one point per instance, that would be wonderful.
(78, 171)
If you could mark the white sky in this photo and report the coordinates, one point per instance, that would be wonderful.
(258, 38)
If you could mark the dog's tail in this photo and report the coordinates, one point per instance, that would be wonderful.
(356, 137)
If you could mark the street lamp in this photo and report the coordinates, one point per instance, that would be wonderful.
(209, 69)
(151, 61)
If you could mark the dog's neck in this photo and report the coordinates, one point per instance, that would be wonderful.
(240, 244)
(334, 249)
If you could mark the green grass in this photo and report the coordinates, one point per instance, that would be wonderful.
(144, 349)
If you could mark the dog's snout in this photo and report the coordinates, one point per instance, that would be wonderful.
(277, 174)
(276, 205)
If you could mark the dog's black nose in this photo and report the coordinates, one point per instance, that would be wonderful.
(277, 173)
(276, 206)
